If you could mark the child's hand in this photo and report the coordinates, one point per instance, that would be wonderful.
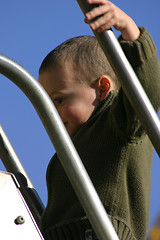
(112, 16)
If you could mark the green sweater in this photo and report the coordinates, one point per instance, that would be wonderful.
(117, 155)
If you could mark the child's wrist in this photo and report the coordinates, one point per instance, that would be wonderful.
(131, 32)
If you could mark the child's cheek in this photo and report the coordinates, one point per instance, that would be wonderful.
(73, 113)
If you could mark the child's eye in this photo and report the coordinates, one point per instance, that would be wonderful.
(58, 101)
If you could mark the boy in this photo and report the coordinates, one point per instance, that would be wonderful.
(103, 126)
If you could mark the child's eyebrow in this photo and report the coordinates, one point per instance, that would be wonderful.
(54, 93)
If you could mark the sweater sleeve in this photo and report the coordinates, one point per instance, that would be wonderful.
(143, 57)
(144, 60)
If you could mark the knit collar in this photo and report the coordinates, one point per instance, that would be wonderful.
(104, 105)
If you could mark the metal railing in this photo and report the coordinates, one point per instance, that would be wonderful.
(59, 137)
(65, 149)
(129, 81)
(13, 165)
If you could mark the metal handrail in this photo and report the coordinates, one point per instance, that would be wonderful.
(59, 137)
(65, 149)
(129, 81)
(13, 165)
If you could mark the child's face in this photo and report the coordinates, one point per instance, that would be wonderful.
(74, 100)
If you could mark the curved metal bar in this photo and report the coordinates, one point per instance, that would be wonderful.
(63, 145)
(129, 81)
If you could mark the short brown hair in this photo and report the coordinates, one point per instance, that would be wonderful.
(83, 52)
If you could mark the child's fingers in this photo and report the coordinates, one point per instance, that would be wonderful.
(101, 2)
(105, 22)
(105, 27)
(96, 12)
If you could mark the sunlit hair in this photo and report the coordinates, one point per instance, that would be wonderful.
(85, 54)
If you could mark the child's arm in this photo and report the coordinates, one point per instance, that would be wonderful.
(112, 16)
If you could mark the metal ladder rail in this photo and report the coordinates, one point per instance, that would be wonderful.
(142, 106)
(13, 165)
(65, 149)
(129, 81)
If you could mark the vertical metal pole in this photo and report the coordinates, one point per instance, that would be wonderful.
(64, 147)
(129, 81)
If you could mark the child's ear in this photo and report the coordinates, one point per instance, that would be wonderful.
(104, 85)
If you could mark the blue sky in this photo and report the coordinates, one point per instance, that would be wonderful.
(29, 30)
